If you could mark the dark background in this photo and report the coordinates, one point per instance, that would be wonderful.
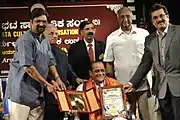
(142, 8)
(173, 7)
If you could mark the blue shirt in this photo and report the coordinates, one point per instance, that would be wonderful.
(30, 50)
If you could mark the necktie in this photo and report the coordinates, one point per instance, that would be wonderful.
(90, 52)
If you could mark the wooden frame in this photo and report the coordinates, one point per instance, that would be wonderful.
(77, 101)
(83, 102)
(112, 101)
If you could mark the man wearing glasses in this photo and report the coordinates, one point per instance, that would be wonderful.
(162, 48)
(29, 69)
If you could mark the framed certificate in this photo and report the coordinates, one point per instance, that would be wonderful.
(83, 102)
(112, 101)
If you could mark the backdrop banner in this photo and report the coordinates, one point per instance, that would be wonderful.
(66, 18)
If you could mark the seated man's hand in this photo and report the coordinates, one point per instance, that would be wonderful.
(128, 87)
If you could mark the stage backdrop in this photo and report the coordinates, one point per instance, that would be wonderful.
(15, 21)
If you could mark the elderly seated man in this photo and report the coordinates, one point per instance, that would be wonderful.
(98, 79)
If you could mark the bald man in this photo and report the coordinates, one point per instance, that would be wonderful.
(124, 49)
(51, 111)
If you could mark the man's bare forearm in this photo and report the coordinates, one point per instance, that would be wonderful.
(58, 80)
(32, 71)
(54, 72)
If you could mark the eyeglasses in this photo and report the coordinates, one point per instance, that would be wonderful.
(39, 21)
(160, 16)
(53, 33)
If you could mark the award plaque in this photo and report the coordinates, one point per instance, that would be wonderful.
(77, 101)
(112, 101)
(83, 102)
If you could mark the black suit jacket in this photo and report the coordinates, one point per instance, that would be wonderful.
(79, 60)
(64, 70)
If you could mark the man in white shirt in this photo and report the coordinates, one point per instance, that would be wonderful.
(124, 48)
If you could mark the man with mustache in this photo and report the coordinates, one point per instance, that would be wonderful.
(162, 49)
(124, 49)
(98, 79)
(29, 69)
(85, 51)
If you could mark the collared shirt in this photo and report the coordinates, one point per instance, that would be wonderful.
(93, 46)
(126, 51)
(162, 43)
(22, 88)
(165, 31)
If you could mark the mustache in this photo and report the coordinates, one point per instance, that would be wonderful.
(162, 21)
(90, 33)
(41, 26)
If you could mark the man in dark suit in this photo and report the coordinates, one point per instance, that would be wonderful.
(162, 48)
(86, 50)
(51, 110)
